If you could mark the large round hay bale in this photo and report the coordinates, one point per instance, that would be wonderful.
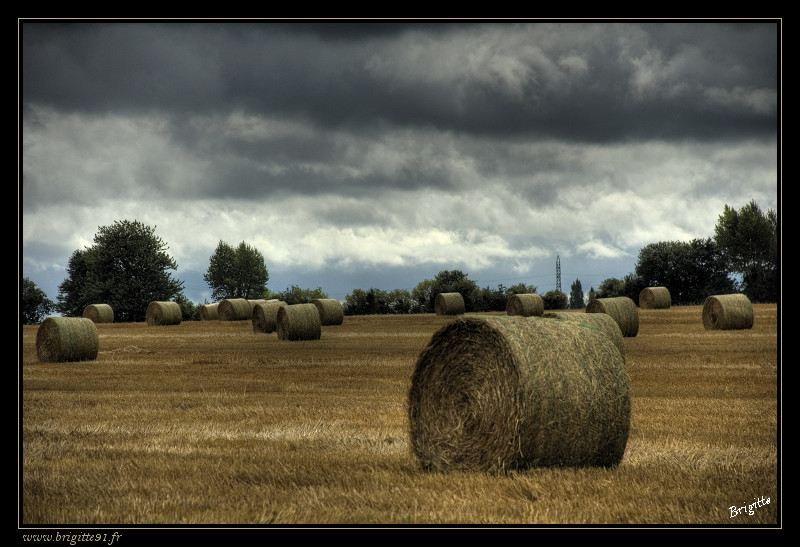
(449, 303)
(163, 313)
(655, 298)
(727, 312)
(622, 309)
(299, 322)
(604, 322)
(209, 312)
(61, 339)
(496, 393)
(330, 310)
(234, 309)
(265, 316)
(254, 303)
(99, 313)
(526, 305)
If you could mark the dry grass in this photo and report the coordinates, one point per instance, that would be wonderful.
(208, 423)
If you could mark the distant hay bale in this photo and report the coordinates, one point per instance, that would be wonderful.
(163, 313)
(330, 310)
(601, 321)
(99, 313)
(299, 322)
(727, 312)
(234, 309)
(496, 393)
(209, 312)
(449, 303)
(655, 298)
(622, 309)
(526, 305)
(61, 339)
(265, 316)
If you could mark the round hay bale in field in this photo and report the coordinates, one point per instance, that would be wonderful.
(449, 303)
(234, 309)
(330, 310)
(163, 313)
(506, 392)
(299, 322)
(61, 339)
(209, 312)
(265, 316)
(727, 312)
(526, 305)
(601, 321)
(622, 309)
(655, 298)
(99, 313)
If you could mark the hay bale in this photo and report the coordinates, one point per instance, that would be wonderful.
(622, 309)
(234, 309)
(209, 312)
(330, 310)
(99, 313)
(496, 393)
(604, 322)
(655, 298)
(727, 312)
(449, 303)
(265, 316)
(61, 339)
(526, 305)
(163, 313)
(299, 322)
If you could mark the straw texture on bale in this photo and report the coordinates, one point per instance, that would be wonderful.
(299, 322)
(655, 298)
(234, 309)
(208, 312)
(506, 392)
(622, 309)
(330, 310)
(99, 313)
(163, 313)
(449, 303)
(727, 312)
(604, 322)
(265, 316)
(61, 339)
(254, 303)
(526, 305)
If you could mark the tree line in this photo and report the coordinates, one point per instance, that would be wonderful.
(128, 267)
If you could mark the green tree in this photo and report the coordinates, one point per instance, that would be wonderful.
(690, 270)
(296, 295)
(489, 299)
(611, 288)
(446, 281)
(554, 300)
(592, 294)
(35, 304)
(126, 268)
(748, 244)
(236, 272)
(576, 295)
(520, 288)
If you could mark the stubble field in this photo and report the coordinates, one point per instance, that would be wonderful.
(209, 423)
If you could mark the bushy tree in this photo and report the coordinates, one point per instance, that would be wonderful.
(576, 295)
(446, 281)
(126, 268)
(611, 288)
(296, 295)
(592, 294)
(492, 299)
(35, 304)
(378, 301)
(747, 240)
(237, 272)
(520, 288)
(554, 300)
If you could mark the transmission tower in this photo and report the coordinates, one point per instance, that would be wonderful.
(558, 272)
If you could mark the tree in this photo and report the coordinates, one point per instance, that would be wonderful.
(554, 300)
(520, 288)
(237, 273)
(296, 295)
(592, 294)
(126, 268)
(690, 270)
(576, 295)
(446, 281)
(611, 288)
(35, 304)
(748, 244)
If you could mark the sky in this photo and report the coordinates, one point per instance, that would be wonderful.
(377, 154)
